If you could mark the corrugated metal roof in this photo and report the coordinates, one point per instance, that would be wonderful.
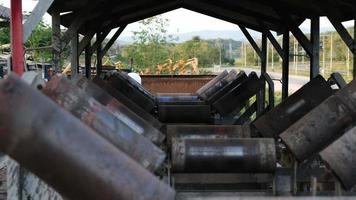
(4, 13)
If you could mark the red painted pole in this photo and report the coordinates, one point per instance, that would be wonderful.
(17, 50)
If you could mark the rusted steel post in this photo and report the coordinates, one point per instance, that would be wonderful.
(295, 107)
(148, 122)
(117, 127)
(223, 155)
(128, 103)
(340, 156)
(323, 125)
(17, 49)
(69, 156)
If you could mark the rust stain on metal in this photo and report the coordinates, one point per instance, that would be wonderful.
(68, 155)
(175, 84)
(116, 127)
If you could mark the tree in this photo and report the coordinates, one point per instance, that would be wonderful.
(4, 35)
(206, 53)
(151, 43)
(40, 37)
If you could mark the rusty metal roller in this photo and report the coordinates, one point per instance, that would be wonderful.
(340, 156)
(65, 153)
(231, 76)
(133, 90)
(127, 102)
(117, 127)
(150, 124)
(240, 78)
(223, 155)
(323, 125)
(211, 83)
(207, 131)
(295, 107)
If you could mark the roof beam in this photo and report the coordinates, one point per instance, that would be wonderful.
(231, 19)
(118, 11)
(149, 12)
(295, 7)
(100, 37)
(78, 22)
(275, 43)
(251, 9)
(85, 41)
(273, 40)
(328, 8)
(298, 34)
(224, 13)
(251, 41)
(112, 40)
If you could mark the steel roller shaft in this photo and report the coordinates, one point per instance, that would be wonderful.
(69, 156)
(116, 127)
(223, 155)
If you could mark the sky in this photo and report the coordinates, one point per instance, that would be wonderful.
(178, 21)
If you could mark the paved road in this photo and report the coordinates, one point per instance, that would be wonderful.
(295, 82)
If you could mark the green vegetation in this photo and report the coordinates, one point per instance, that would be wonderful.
(40, 37)
(334, 56)
(153, 46)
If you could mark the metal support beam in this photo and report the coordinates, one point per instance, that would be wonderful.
(17, 50)
(264, 53)
(332, 15)
(315, 41)
(78, 22)
(100, 37)
(251, 41)
(113, 39)
(74, 55)
(35, 17)
(56, 41)
(298, 34)
(344, 34)
(275, 43)
(85, 41)
(99, 61)
(264, 61)
(88, 56)
(285, 66)
(303, 40)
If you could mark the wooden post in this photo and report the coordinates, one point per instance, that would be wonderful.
(88, 55)
(74, 55)
(99, 57)
(56, 41)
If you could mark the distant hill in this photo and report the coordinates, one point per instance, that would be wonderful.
(206, 35)
(236, 35)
